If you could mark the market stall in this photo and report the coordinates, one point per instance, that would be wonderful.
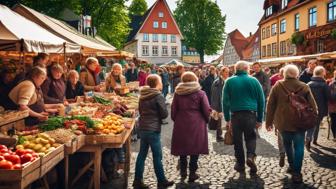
(96, 122)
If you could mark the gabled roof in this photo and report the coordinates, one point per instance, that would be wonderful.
(238, 41)
(252, 40)
(137, 22)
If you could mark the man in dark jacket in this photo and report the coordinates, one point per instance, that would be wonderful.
(307, 74)
(177, 76)
(262, 77)
(216, 99)
(207, 83)
(320, 90)
(152, 109)
(132, 73)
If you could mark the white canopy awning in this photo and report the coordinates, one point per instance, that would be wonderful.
(20, 34)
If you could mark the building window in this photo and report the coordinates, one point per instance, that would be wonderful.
(332, 11)
(263, 33)
(161, 14)
(297, 22)
(155, 24)
(146, 37)
(164, 24)
(263, 53)
(173, 38)
(290, 48)
(274, 49)
(164, 51)
(313, 17)
(145, 50)
(268, 32)
(174, 51)
(269, 50)
(164, 37)
(320, 46)
(155, 38)
(283, 26)
(274, 29)
(155, 50)
(269, 11)
(283, 48)
(284, 4)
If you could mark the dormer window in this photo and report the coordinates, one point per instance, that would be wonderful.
(284, 4)
(161, 14)
(269, 11)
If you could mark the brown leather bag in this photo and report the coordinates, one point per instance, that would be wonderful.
(228, 138)
(305, 116)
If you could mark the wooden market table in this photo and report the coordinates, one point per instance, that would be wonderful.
(96, 147)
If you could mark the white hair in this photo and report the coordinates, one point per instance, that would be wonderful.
(291, 71)
(115, 65)
(242, 66)
(91, 60)
(73, 73)
(319, 71)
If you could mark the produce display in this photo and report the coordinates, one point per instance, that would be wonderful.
(62, 135)
(101, 100)
(41, 143)
(16, 159)
(111, 124)
(83, 110)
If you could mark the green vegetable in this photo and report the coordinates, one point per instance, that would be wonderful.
(52, 124)
(21, 140)
(89, 122)
(101, 100)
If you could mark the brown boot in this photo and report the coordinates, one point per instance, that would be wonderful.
(297, 178)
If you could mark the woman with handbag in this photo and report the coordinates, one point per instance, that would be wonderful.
(281, 113)
(216, 103)
(190, 112)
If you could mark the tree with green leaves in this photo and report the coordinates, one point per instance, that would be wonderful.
(202, 25)
(138, 8)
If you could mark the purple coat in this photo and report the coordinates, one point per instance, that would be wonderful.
(190, 114)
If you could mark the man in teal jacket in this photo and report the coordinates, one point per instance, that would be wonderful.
(243, 106)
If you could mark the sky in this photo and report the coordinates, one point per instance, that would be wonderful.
(240, 14)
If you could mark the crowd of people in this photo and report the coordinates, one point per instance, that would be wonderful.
(202, 97)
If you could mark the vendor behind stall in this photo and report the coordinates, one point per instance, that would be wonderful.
(53, 87)
(74, 88)
(88, 77)
(28, 95)
(115, 79)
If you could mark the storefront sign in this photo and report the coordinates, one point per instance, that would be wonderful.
(318, 33)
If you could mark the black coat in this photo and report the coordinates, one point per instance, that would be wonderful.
(216, 94)
(71, 93)
(206, 86)
(305, 76)
(321, 93)
(131, 76)
(264, 81)
(152, 111)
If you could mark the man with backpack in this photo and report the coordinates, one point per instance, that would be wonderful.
(320, 90)
(291, 108)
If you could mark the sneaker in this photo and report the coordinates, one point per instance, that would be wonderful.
(165, 184)
(239, 168)
(193, 177)
(251, 163)
(139, 185)
(282, 160)
(307, 145)
(297, 178)
(220, 139)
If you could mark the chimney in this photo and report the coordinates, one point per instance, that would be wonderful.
(250, 34)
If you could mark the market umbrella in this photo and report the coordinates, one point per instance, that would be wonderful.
(175, 62)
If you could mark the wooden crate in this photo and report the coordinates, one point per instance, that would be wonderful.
(20, 178)
(105, 139)
(15, 116)
(51, 159)
(72, 146)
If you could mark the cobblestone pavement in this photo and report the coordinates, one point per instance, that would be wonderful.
(216, 169)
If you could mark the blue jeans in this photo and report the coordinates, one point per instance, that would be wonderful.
(165, 90)
(153, 140)
(294, 146)
(312, 133)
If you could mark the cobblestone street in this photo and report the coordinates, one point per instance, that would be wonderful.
(216, 169)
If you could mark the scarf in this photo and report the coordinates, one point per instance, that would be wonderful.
(146, 92)
(187, 88)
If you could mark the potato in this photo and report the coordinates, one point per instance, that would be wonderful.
(26, 144)
(38, 140)
(29, 137)
(44, 141)
(47, 146)
(19, 147)
(51, 140)
(43, 149)
(37, 147)
(44, 136)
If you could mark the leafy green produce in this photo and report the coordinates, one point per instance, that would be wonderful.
(89, 122)
(21, 140)
(52, 123)
(101, 100)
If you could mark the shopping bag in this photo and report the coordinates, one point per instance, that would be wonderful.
(228, 138)
(213, 124)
